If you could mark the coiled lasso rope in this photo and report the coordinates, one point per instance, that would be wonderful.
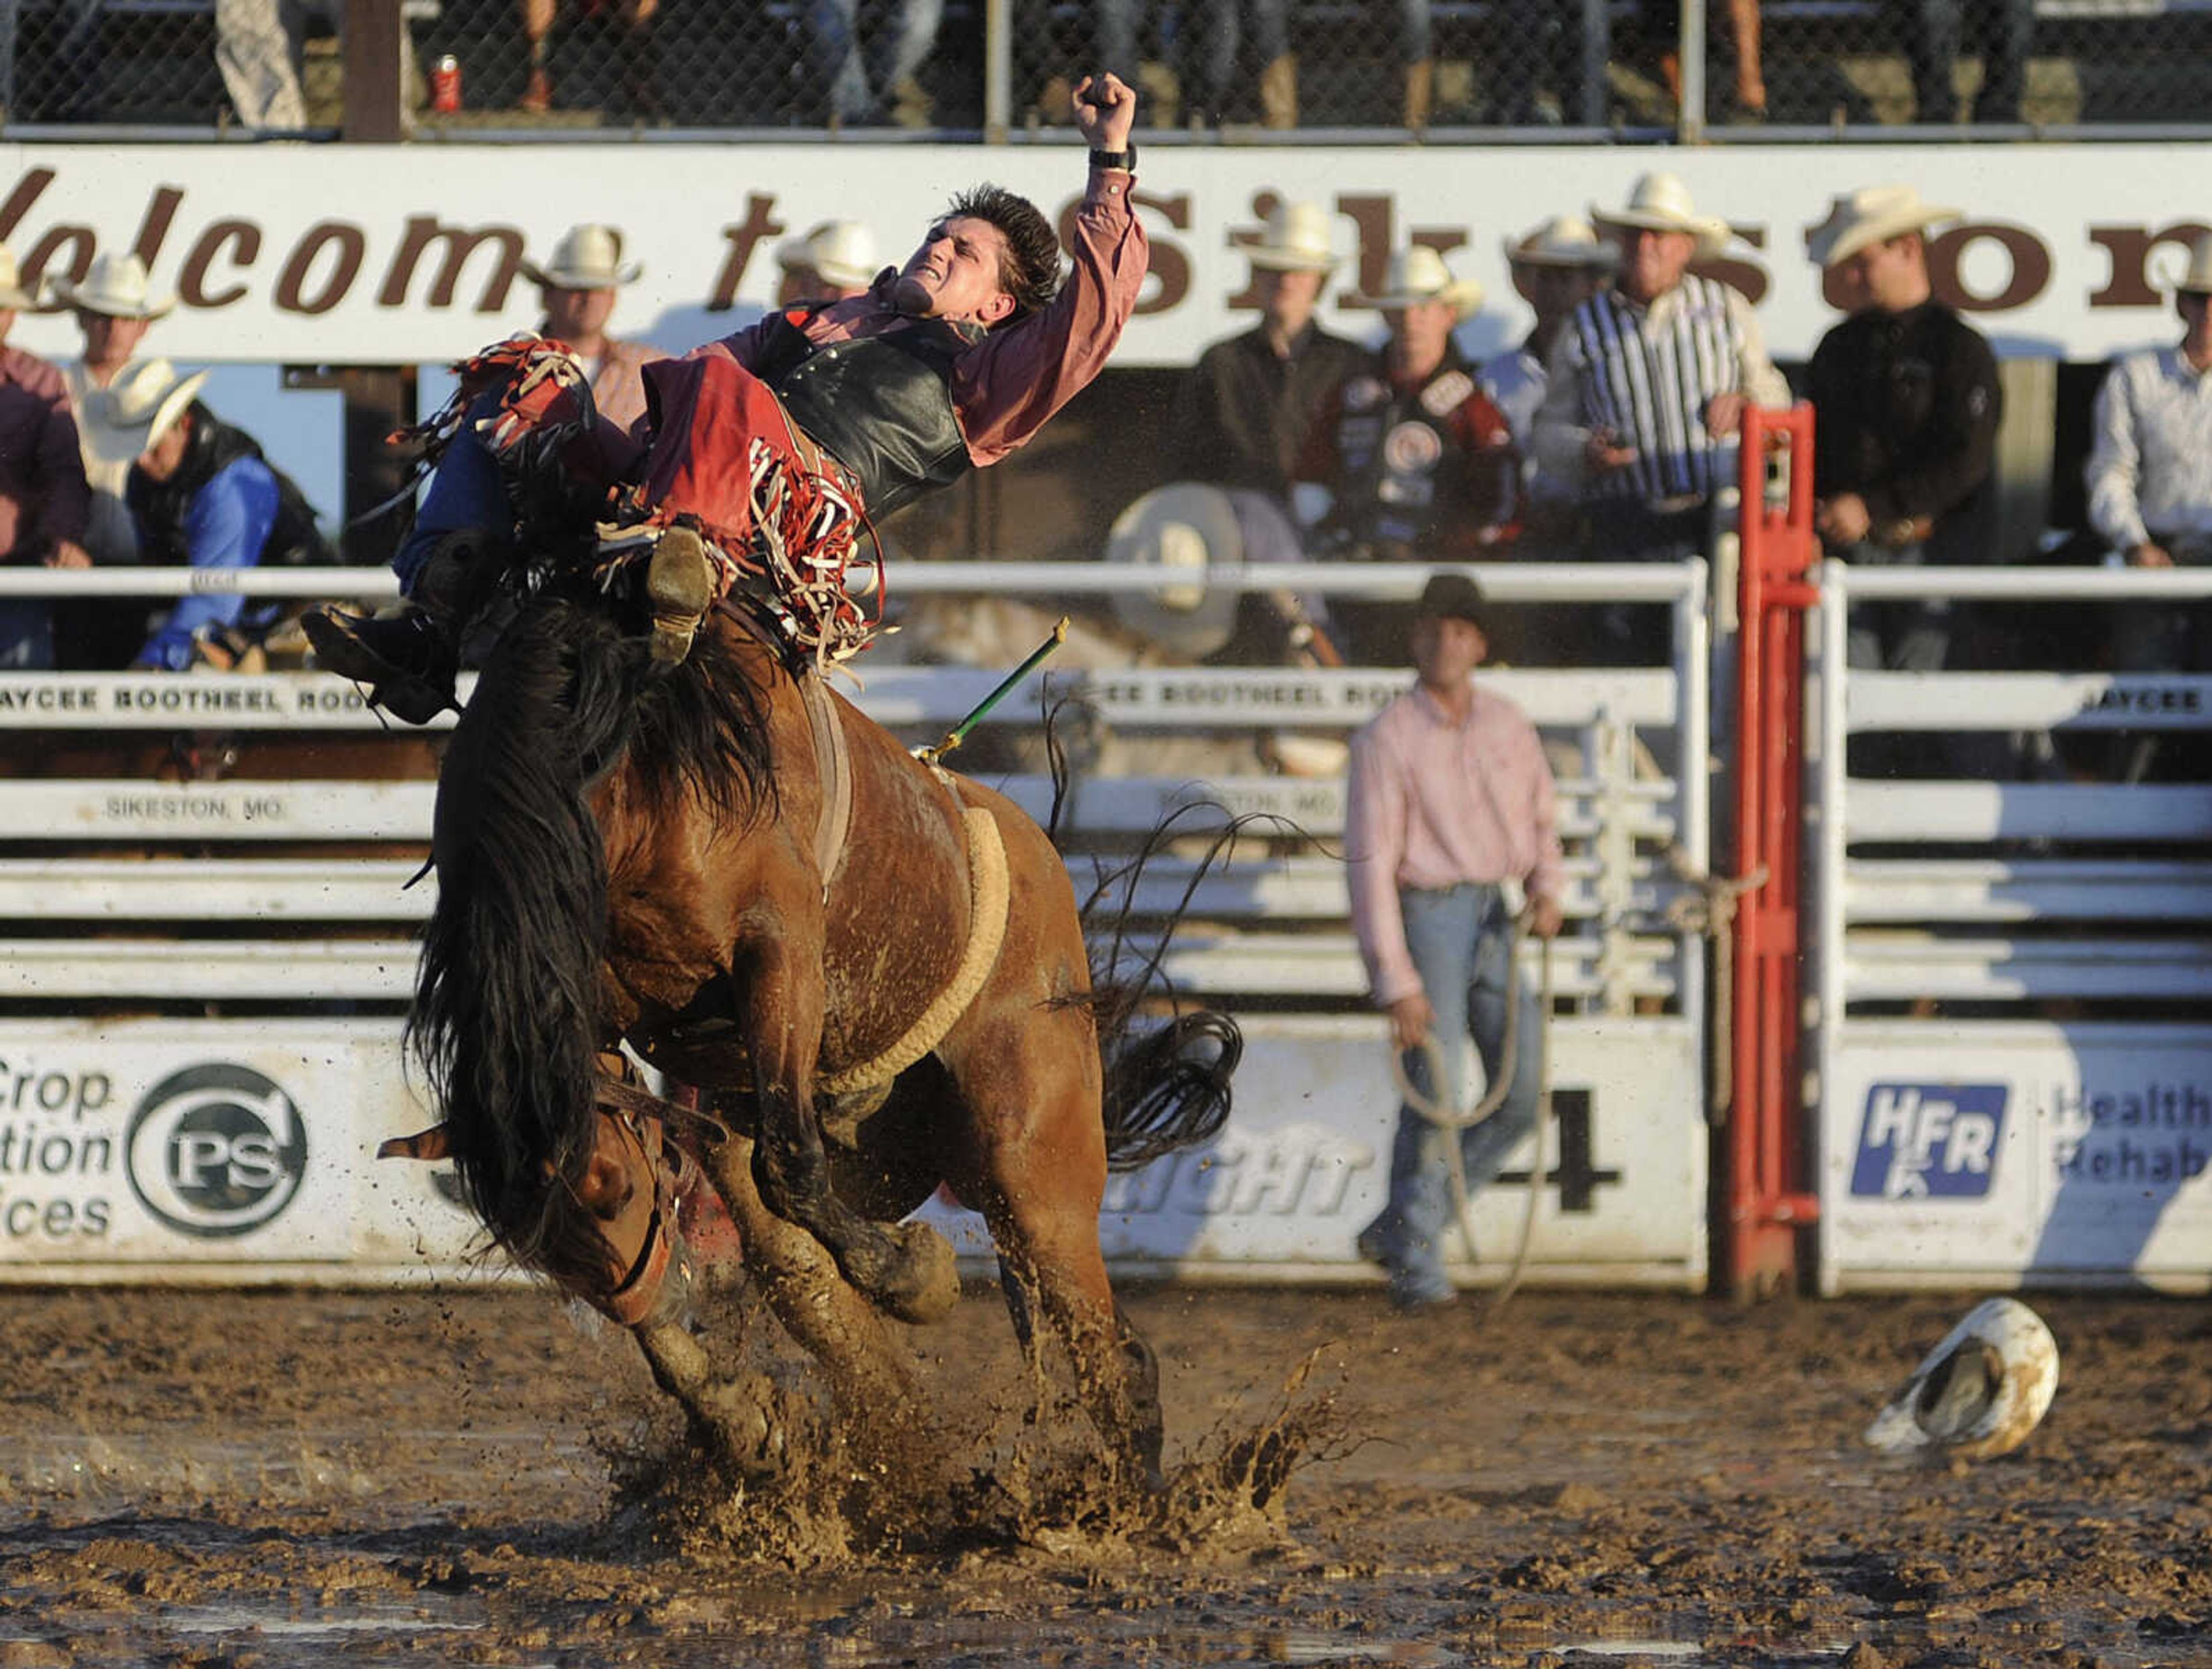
(1453, 1119)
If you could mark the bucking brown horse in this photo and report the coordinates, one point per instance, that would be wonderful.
(874, 969)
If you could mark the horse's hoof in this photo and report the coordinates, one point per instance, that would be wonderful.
(679, 586)
(926, 1285)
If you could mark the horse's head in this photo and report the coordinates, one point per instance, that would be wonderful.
(627, 1193)
(609, 1235)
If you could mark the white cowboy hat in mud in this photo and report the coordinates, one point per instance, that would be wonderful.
(116, 286)
(138, 408)
(1564, 240)
(842, 251)
(1873, 214)
(1979, 1392)
(1187, 526)
(1295, 239)
(588, 258)
(1660, 202)
(1418, 274)
(12, 293)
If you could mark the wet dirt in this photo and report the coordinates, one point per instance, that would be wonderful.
(296, 1479)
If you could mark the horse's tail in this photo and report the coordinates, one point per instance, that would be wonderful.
(507, 1016)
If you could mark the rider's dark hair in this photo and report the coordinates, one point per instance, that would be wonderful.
(1030, 272)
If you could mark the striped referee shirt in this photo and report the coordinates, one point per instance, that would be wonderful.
(1645, 373)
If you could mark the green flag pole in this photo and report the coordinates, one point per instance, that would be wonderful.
(953, 737)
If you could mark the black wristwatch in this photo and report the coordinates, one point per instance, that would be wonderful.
(1121, 159)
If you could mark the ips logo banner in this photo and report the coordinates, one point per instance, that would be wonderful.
(1921, 1141)
(216, 1151)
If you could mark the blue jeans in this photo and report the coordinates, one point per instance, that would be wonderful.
(1461, 940)
(1219, 35)
(27, 635)
(1936, 31)
(860, 79)
(467, 490)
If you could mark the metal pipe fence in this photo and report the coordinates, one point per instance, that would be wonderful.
(1272, 71)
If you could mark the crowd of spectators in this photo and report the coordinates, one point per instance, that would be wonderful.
(1607, 434)
(1281, 64)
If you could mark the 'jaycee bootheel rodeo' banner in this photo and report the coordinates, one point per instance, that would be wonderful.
(367, 254)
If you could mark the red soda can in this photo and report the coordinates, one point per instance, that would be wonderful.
(445, 84)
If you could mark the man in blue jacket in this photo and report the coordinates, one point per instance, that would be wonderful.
(203, 497)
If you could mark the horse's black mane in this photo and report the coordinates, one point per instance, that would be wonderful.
(507, 1010)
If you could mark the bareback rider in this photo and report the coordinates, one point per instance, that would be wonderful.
(764, 455)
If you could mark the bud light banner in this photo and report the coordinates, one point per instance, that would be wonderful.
(2018, 1152)
(155, 1144)
(1304, 1165)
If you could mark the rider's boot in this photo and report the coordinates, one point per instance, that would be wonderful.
(679, 586)
(405, 656)
(410, 656)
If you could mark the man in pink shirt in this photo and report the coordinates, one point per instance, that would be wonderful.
(807, 426)
(1450, 798)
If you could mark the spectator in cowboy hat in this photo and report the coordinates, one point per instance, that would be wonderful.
(1239, 422)
(205, 497)
(1645, 392)
(1556, 267)
(1419, 464)
(43, 497)
(2149, 478)
(1905, 395)
(835, 261)
(577, 291)
(1241, 417)
(115, 304)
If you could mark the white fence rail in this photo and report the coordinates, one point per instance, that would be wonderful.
(1998, 1099)
(276, 908)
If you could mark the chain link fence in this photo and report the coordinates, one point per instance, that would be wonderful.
(1311, 69)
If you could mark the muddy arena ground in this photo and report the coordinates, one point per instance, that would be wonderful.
(475, 1477)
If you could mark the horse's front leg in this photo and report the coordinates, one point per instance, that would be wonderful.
(730, 1418)
(872, 1379)
(908, 1269)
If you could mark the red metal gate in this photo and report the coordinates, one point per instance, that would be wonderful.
(1766, 1197)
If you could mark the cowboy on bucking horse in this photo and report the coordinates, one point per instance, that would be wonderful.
(764, 456)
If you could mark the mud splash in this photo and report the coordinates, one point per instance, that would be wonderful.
(1014, 1469)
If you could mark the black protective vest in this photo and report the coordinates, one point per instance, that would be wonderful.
(880, 405)
(160, 506)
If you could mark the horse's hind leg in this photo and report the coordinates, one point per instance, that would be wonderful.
(1032, 1085)
(1117, 1373)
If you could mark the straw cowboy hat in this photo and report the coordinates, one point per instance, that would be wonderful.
(1418, 274)
(2195, 278)
(588, 258)
(12, 293)
(1296, 239)
(1564, 240)
(1979, 1392)
(1187, 526)
(842, 252)
(1872, 215)
(115, 287)
(1660, 202)
(137, 408)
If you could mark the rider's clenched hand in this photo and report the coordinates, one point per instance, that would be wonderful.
(1105, 112)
